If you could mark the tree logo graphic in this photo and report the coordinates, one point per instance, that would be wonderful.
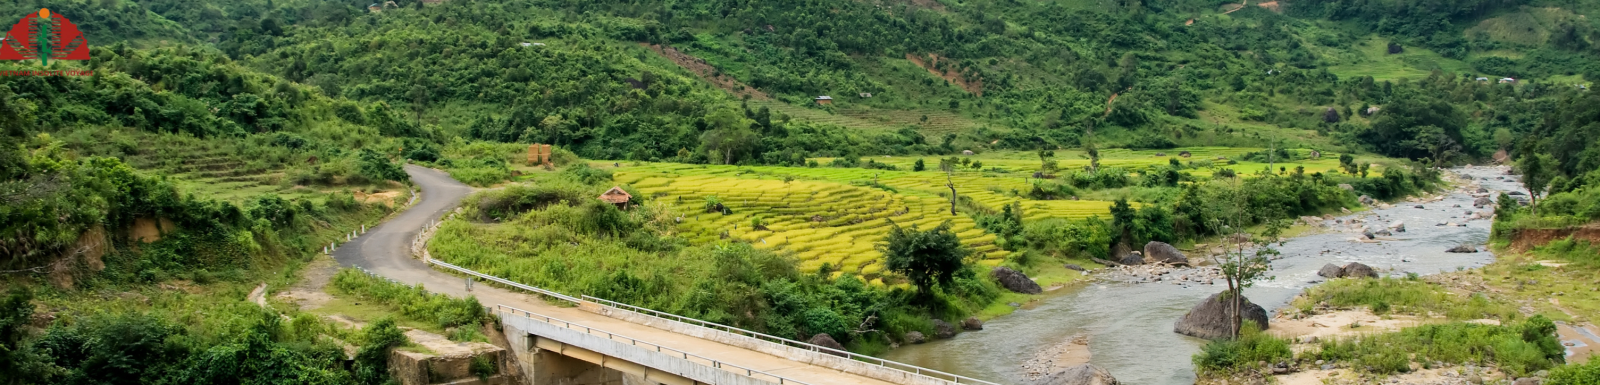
(44, 37)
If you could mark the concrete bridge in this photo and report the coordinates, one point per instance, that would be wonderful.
(565, 340)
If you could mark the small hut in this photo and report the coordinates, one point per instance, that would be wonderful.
(966, 152)
(1316, 154)
(375, 7)
(865, 95)
(617, 197)
(1185, 154)
(824, 100)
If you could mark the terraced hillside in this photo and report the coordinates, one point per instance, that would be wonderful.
(235, 170)
(831, 216)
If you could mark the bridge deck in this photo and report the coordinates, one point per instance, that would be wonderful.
(440, 282)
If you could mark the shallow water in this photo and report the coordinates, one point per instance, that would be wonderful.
(1130, 325)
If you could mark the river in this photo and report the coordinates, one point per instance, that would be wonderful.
(1129, 325)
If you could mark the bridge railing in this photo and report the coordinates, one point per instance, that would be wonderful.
(658, 348)
(892, 365)
(503, 281)
(908, 368)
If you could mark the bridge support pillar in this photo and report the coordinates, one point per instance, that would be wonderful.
(548, 362)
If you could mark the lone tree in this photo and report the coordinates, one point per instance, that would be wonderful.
(1246, 257)
(925, 257)
(1537, 171)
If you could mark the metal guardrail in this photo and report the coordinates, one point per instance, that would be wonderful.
(503, 281)
(659, 349)
(908, 368)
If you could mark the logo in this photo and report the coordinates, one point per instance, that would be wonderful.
(44, 37)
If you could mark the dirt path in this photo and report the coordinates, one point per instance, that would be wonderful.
(707, 72)
(973, 86)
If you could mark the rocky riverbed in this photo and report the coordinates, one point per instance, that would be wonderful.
(1127, 316)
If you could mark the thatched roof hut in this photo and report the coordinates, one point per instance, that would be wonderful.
(617, 197)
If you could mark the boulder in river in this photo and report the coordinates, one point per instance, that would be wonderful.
(1161, 252)
(1482, 201)
(1212, 318)
(1358, 270)
(972, 323)
(1398, 226)
(1383, 233)
(1368, 233)
(1516, 193)
(915, 337)
(1482, 190)
(943, 329)
(1073, 267)
(1366, 200)
(1086, 374)
(1331, 271)
(826, 341)
(1015, 281)
(1462, 249)
(1131, 259)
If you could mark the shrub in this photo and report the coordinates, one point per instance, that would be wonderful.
(412, 301)
(496, 205)
(1251, 347)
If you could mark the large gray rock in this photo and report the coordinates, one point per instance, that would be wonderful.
(1212, 318)
(1358, 270)
(1086, 374)
(1015, 281)
(1161, 252)
(1482, 201)
(972, 323)
(1131, 259)
(1366, 200)
(1331, 271)
(1463, 249)
(943, 329)
(826, 341)
(915, 337)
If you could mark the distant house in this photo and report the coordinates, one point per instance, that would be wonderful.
(375, 7)
(1316, 154)
(1584, 87)
(866, 95)
(617, 197)
(824, 100)
(1185, 154)
(527, 44)
(1508, 80)
(966, 152)
(1483, 79)
(1373, 110)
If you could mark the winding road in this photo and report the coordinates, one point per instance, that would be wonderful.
(385, 250)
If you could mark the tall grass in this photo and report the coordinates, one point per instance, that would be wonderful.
(1519, 349)
(1252, 346)
(412, 301)
(1403, 296)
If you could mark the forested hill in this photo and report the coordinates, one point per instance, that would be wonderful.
(640, 80)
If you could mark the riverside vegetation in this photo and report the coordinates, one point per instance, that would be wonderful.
(261, 130)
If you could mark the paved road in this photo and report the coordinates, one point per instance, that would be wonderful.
(385, 250)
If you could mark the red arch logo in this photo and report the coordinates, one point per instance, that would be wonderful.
(44, 37)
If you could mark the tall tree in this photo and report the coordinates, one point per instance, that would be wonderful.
(1537, 171)
(1246, 257)
(927, 257)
